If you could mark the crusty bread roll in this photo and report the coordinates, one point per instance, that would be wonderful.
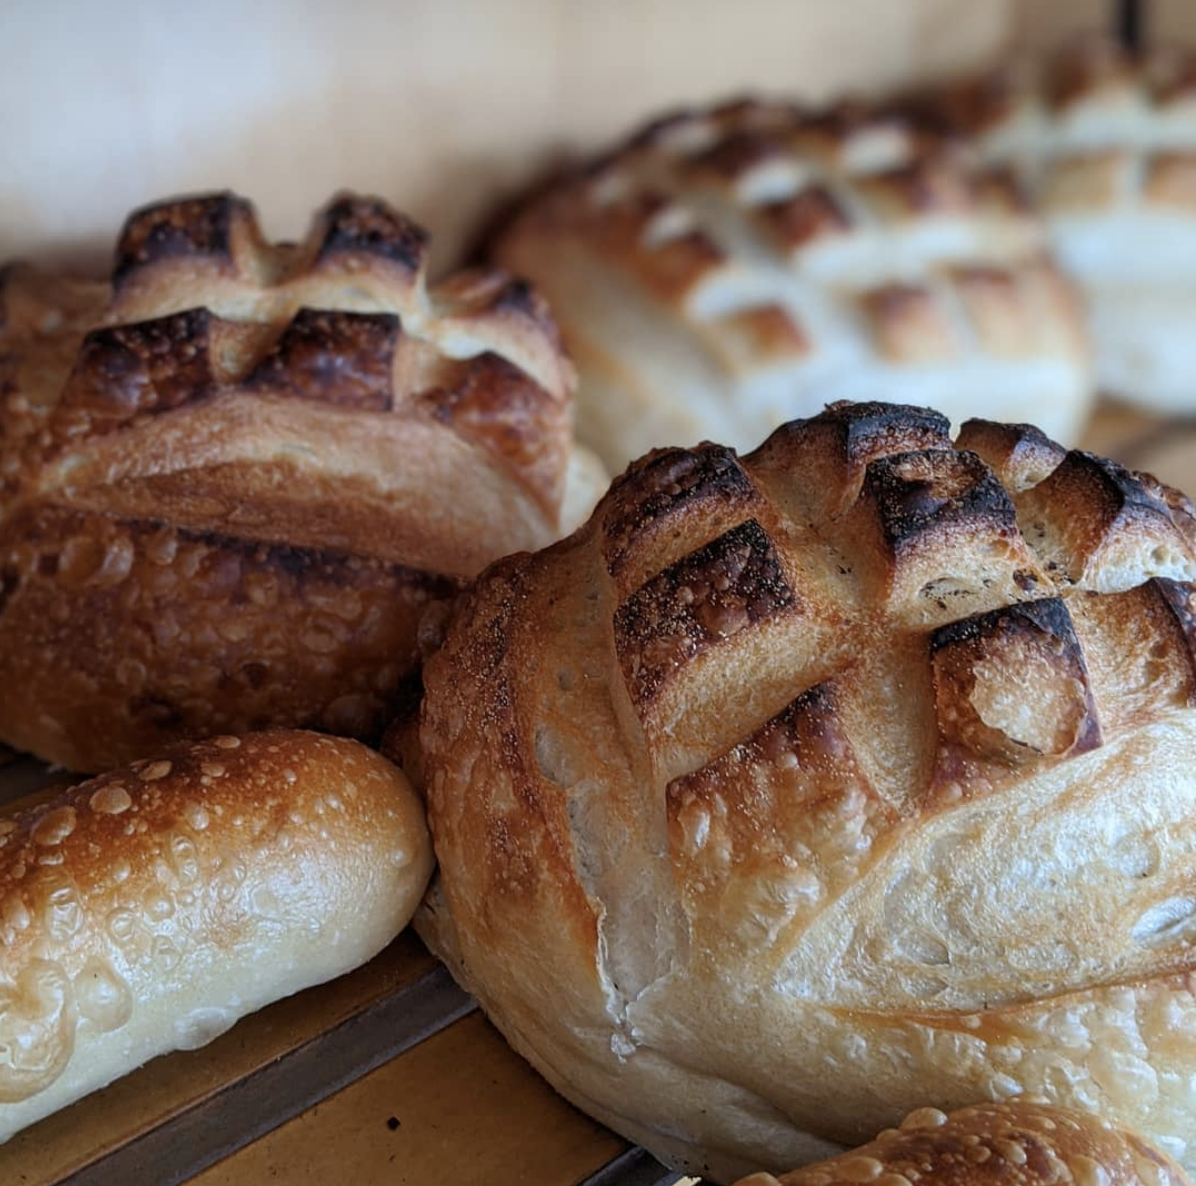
(149, 909)
(796, 791)
(1106, 142)
(230, 486)
(730, 269)
(1021, 1142)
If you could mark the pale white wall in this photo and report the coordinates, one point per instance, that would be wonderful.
(439, 105)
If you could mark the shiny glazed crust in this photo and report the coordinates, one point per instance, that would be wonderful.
(149, 909)
(861, 762)
(1020, 1143)
(728, 269)
(231, 484)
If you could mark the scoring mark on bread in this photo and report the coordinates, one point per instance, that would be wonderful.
(151, 366)
(190, 227)
(707, 597)
(1011, 686)
(359, 225)
(339, 358)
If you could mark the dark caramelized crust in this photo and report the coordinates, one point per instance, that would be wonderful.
(277, 405)
(368, 227)
(1018, 1142)
(982, 668)
(186, 228)
(859, 761)
(343, 359)
(130, 370)
(702, 601)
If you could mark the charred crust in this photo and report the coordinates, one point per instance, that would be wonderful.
(809, 214)
(491, 401)
(519, 297)
(1047, 616)
(1180, 599)
(1006, 637)
(367, 226)
(1020, 454)
(738, 153)
(807, 732)
(932, 490)
(1112, 488)
(711, 595)
(198, 226)
(149, 366)
(666, 485)
(333, 357)
(300, 564)
(866, 431)
(10, 582)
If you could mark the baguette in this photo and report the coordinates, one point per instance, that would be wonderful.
(149, 909)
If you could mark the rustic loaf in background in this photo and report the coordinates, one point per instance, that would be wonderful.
(730, 269)
(150, 908)
(231, 484)
(1105, 141)
(800, 790)
(1022, 1142)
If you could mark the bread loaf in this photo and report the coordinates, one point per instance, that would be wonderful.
(1105, 140)
(798, 790)
(729, 269)
(1021, 1142)
(232, 481)
(149, 909)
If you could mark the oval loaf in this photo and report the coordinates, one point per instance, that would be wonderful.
(1019, 1143)
(798, 790)
(729, 269)
(149, 909)
(233, 480)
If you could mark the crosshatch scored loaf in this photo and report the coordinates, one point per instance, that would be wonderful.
(864, 760)
(731, 268)
(232, 481)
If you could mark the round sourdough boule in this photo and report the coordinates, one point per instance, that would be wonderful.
(1105, 142)
(149, 909)
(232, 481)
(1019, 1143)
(729, 269)
(796, 791)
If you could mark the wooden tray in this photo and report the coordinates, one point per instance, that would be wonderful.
(388, 1075)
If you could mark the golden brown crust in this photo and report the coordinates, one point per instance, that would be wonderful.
(308, 415)
(148, 909)
(814, 766)
(725, 268)
(1020, 1143)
